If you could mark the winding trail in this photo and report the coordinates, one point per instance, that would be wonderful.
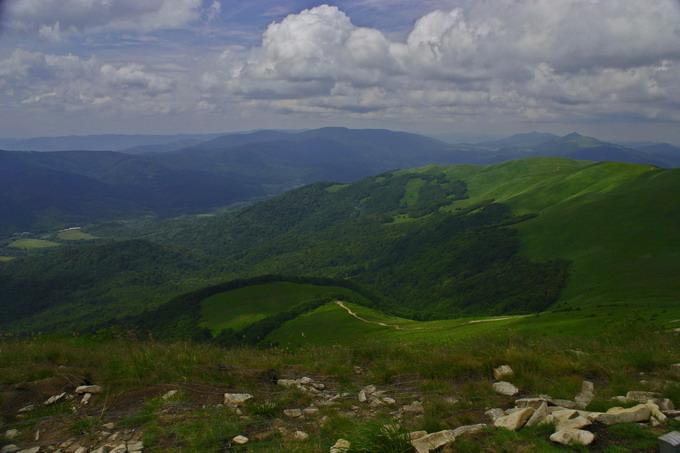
(398, 327)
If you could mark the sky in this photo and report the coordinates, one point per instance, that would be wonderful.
(454, 68)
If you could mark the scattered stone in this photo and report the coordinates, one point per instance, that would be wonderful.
(468, 429)
(102, 449)
(502, 371)
(10, 434)
(375, 403)
(85, 399)
(28, 408)
(240, 440)
(300, 435)
(539, 415)
(389, 401)
(11, 448)
(516, 420)
(340, 446)
(292, 413)
(121, 448)
(417, 434)
(415, 407)
(664, 404)
(656, 413)
(530, 402)
(573, 423)
(109, 425)
(641, 397)
(30, 450)
(305, 380)
(94, 389)
(567, 404)
(586, 395)
(288, 383)
(169, 395)
(573, 437)
(494, 413)
(433, 441)
(55, 399)
(366, 392)
(236, 399)
(505, 388)
(669, 442)
(81, 450)
(135, 445)
(358, 370)
(311, 411)
(615, 415)
(620, 399)
(37, 435)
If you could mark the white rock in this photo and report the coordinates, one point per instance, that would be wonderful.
(240, 440)
(170, 394)
(103, 449)
(292, 413)
(135, 445)
(586, 395)
(94, 389)
(340, 446)
(539, 415)
(311, 411)
(516, 420)
(236, 399)
(85, 399)
(573, 437)
(417, 434)
(505, 388)
(615, 415)
(573, 423)
(656, 413)
(28, 408)
(502, 371)
(300, 435)
(305, 380)
(30, 450)
(120, 448)
(415, 407)
(530, 402)
(641, 397)
(468, 429)
(11, 448)
(108, 425)
(388, 400)
(494, 413)
(568, 404)
(664, 404)
(288, 383)
(81, 450)
(55, 399)
(10, 434)
(433, 441)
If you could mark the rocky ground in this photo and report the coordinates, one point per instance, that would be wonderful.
(67, 413)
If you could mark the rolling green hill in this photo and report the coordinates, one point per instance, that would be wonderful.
(438, 242)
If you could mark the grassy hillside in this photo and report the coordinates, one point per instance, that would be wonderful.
(238, 308)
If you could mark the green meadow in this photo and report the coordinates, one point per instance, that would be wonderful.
(75, 235)
(32, 244)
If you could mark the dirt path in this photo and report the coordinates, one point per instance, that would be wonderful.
(398, 327)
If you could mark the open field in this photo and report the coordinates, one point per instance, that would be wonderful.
(75, 235)
(240, 307)
(32, 244)
(6, 258)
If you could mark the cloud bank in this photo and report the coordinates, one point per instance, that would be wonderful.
(489, 61)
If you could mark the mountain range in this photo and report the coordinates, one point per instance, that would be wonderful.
(41, 191)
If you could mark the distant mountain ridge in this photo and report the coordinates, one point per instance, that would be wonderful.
(59, 188)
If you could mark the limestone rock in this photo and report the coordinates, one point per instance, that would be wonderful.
(433, 441)
(169, 395)
(586, 395)
(539, 415)
(55, 399)
(516, 420)
(505, 388)
(615, 415)
(664, 404)
(573, 437)
(236, 399)
(311, 411)
(10, 434)
(530, 402)
(468, 429)
(573, 423)
(417, 434)
(389, 401)
(135, 445)
(85, 399)
(240, 440)
(28, 408)
(494, 413)
(340, 446)
(641, 397)
(656, 413)
(30, 450)
(292, 413)
(415, 407)
(300, 435)
(567, 404)
(288, 383)
(502, 371)
(102, 449)
(11, 448)
(94, 389)
(120, 448)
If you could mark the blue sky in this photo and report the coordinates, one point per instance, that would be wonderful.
(461, 68)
